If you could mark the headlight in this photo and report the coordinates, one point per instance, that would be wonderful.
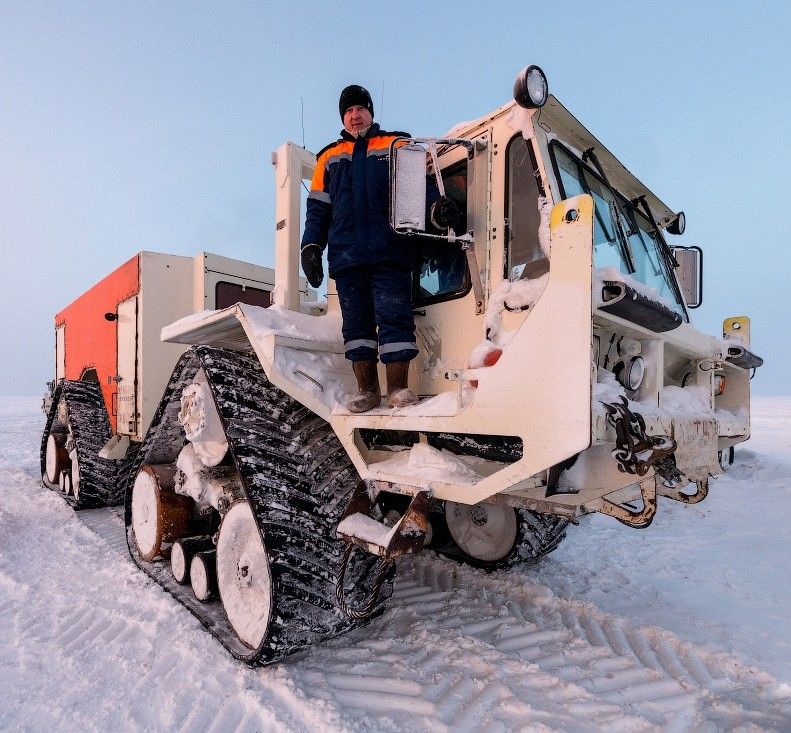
(531, 89)
(630, 374)
(678, 224)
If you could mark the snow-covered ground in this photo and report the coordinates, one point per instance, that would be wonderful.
(683, 626)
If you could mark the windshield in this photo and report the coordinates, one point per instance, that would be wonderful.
(623, 238)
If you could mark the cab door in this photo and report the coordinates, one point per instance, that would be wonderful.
(448, 314)
(128, 413)
(60, 353)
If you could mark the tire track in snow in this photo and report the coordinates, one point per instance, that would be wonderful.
(648, 671)
(534, 658)
(379, 692)
(92, 644)
(457, 650)
(207, 714)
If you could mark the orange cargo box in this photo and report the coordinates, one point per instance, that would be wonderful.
(111, 333)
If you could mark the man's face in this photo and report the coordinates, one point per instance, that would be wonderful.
(357, 118)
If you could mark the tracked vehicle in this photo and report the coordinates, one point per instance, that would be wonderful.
(111, 365)
(559, 375)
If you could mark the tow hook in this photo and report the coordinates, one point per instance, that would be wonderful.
(359, 529)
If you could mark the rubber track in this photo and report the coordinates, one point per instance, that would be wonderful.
(100, 482)
(53, 411)
(298, 480)
(539, 534)
(123, 467)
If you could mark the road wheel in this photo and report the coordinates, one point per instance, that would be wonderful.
(56, 457)
(492, 536)
(159, 514)
(75, 475)
(244, 576)
(484, 532)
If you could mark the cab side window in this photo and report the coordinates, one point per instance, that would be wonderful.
(441, 272)
(525, 259)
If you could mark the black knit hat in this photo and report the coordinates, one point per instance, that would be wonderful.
(353, 95)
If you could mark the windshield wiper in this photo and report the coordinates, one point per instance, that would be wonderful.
(654, 256)
(590, 154)
(616, 213)
(623, 239)
(664, 247)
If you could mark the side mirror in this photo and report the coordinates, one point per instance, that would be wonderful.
(409, 184)
(690, 274)
(408, 188)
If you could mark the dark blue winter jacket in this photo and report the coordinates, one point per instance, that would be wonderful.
(348, 205)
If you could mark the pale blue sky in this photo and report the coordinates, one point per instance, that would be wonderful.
(149, 125)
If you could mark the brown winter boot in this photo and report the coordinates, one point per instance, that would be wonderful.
(368, 393)
(398, 392)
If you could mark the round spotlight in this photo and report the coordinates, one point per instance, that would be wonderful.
(531, 89)
(630, 374)
(635, 371)
(678, 224)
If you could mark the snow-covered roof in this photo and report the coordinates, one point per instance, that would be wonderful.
(560, 123)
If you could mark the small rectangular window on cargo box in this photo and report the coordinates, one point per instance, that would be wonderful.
(227, 294)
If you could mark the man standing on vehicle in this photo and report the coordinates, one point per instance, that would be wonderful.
(348, 212)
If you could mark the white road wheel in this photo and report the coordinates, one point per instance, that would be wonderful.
(201, 421)
(144, 515)
(199, 579)
(486, 532)
(178, 563)
(203, 575)
(56, 458)
(75, 476)
(65, 482)
(243, 575)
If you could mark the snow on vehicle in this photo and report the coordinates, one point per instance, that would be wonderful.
(559, 375)
(111, 365)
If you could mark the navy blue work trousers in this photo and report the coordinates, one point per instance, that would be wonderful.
(376, 305)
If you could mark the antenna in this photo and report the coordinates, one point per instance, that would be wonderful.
(302, 117)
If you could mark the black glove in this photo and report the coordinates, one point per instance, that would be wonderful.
(445, 213)
(311, 264)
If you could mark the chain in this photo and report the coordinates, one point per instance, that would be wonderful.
(359, 614)
(635, 450)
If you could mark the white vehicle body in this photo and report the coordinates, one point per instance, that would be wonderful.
(556, 329)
